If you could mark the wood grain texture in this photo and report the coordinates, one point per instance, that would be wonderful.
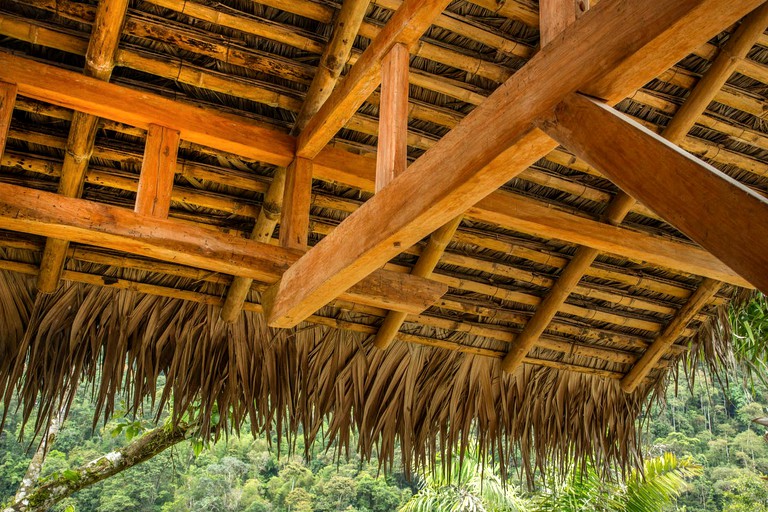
(719, 213)
(463, 168)
(294, 222)
(406, 26)
(7, 101)
(556, 15)
(158, 169)
(224, 132)
(392, 149)
(700, 298)
(46, 214)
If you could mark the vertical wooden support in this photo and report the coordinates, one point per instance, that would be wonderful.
(392, 152)
(556, 15)
(700, 298)
(7, 101)
(158, 168)
(99, 62)
(294, 221)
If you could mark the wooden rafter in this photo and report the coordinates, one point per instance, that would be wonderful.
(241, 136)
(43, 213)
(700, 298)
(620, 206)
(332, 62)
(406, 26)
(99, 62)
(634, 52)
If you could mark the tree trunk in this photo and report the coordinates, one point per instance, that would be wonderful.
(43, 497)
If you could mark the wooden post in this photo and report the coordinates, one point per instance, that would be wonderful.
(703, 295)
(294, 222)
(99, 62)
(392, 151)
(158, 168)
(7, 100)
(556, 15)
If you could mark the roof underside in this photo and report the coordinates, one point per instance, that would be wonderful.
(441, 380)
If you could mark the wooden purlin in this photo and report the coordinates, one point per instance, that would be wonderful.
(737, 48)
(229, 133)
(334, 56)
(99, 62)
(480, 166)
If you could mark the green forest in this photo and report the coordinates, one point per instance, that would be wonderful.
(708, 453)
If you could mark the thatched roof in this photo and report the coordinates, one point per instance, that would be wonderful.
(121, 319)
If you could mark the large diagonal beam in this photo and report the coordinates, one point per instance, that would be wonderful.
(463, 168)
(99, 62)
(248, 139)
(406, 26)
(736, 48)
(335, 56)
(719, 213)
(46, 214)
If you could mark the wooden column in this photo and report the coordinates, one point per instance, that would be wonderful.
(7, 101)
(294, 221)
(392, 151)
(99, 62)
(700, 298)
(332, 62)
(158, 168)
(556, 15)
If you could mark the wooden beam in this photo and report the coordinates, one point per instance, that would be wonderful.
(158, 168)
(700, 298)
(99, 62)
(229, 133)
(7, 101)
(623, 203)
(406, 26)
(294, 221)
(424, 267)
(392, 151)
(335, 165)
(556, 15)
(463, 168)
(719, 213)
(335, 56)
(46, 214)
(724, 65)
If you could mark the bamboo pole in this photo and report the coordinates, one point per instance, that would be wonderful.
(640, 370)
(99, 62)
(424, 267)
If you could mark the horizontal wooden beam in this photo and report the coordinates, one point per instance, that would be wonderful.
(406, 26)
(722, 215)
(46, 214)
(463, 167)
(336, 165)
(202, 126)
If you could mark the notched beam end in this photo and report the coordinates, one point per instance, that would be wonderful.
(395, 291)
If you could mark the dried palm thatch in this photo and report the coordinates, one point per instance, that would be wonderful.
(120, 321)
